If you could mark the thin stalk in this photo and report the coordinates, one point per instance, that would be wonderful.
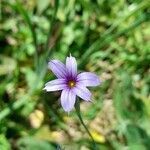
(77, 107)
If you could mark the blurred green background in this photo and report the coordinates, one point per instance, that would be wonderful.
(108, 37)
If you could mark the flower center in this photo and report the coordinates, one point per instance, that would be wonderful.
(71, 83)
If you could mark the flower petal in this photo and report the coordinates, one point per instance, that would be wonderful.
(71, 66)
(68, 99)
(82, 92)
(55, 85)
(58, 68)
(88, 79)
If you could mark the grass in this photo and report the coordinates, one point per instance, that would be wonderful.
(110, 38)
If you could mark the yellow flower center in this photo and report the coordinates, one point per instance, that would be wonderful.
(71, 84)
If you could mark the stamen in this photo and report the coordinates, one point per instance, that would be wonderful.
(71, 83)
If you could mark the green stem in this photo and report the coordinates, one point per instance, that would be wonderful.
(77, 107)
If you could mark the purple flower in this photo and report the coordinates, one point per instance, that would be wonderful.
(70, 82)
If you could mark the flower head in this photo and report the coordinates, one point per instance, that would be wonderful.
(70, 82)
